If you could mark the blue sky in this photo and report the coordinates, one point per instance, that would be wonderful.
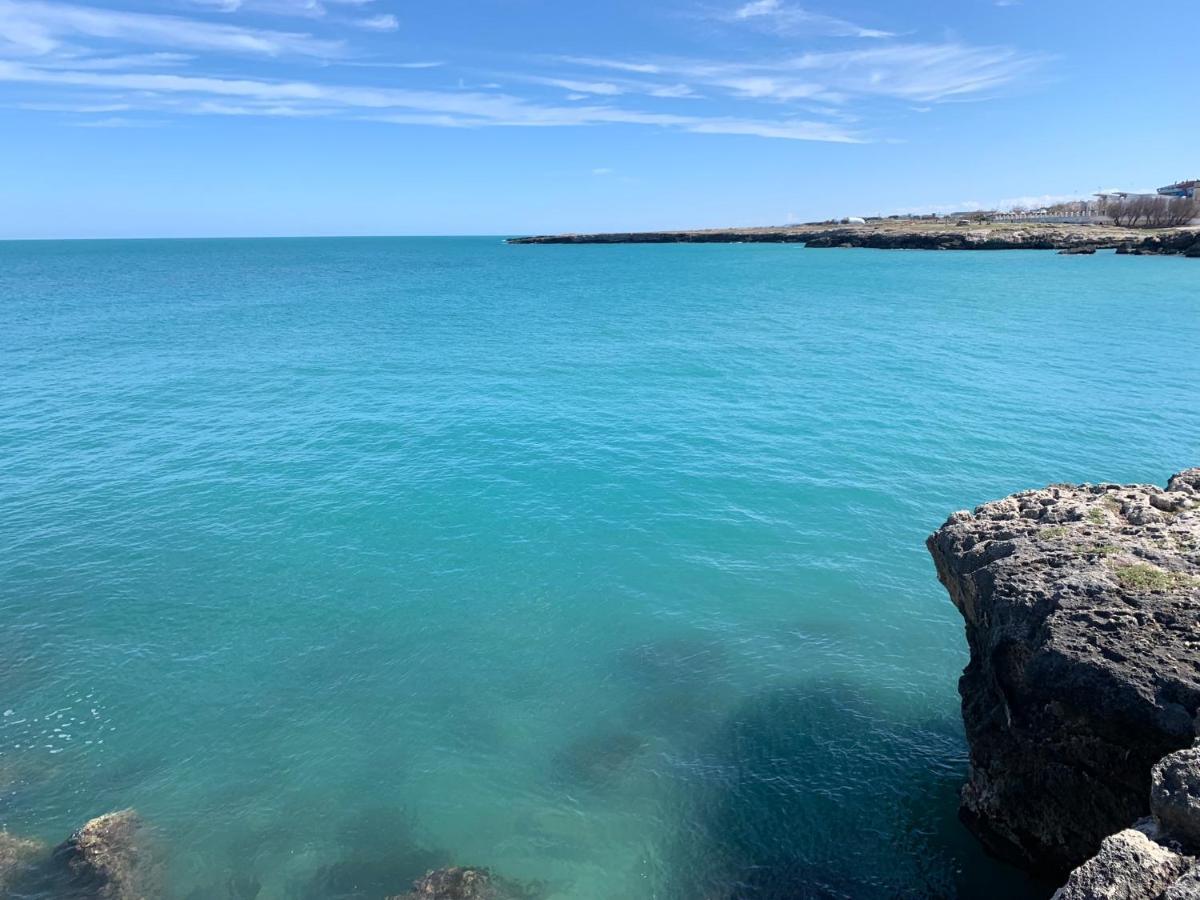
(279, 117)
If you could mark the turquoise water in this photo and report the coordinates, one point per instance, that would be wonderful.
(601, 566)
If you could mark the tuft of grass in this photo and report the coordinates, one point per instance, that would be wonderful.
(1054, 533)
(1096, 516)
(1105, 549)
(1145, 577)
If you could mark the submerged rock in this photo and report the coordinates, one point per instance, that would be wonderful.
(18, 857)
(1082, 611)
(112, 857)
(600, 758)
(458, 883)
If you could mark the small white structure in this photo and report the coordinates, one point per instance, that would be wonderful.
(854, 220)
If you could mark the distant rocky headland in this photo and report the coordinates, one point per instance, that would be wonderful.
(919, 234)
(1080, 701)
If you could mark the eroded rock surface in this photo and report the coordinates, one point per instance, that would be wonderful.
(1082, 611)
(1129, 866)
(1175, 795)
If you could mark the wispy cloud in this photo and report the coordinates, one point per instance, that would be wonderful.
(384, 22)
(114, 122)
(913, 72)
(577, 87)
(35, 28)
(310, 9)
(787, 18)
(154, 64)
(445, 108)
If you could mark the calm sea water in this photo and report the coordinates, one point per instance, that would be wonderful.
(600, 566)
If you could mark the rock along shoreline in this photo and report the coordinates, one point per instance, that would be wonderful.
(1081, 698)
(1068, 239)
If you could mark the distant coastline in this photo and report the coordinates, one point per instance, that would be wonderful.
(918, 234)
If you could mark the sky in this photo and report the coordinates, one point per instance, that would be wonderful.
(183, 118)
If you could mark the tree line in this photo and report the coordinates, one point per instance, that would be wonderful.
(1151, 212)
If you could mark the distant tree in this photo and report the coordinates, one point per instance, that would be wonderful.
(1179, 211)
(1151, 211)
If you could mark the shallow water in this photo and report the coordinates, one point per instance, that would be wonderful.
(601, 566)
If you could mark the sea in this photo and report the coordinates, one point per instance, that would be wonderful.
(602, 567)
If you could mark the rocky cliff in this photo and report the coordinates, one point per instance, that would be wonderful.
(1082, 612)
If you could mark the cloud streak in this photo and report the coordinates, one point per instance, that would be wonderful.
(786, 18)
(36, 28)
(912, 72)
(154, 64)
(402, 106)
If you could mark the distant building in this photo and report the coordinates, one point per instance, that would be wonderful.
(1185, 189)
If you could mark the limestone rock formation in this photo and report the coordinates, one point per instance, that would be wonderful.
(114, 857)
(1129, 866)
(1175, 795)
(1157, 860)
(1082, 611)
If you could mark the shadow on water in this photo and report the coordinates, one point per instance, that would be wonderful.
(812, 792)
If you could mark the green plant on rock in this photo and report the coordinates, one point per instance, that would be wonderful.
(1145, 577)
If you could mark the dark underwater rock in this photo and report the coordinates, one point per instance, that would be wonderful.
(112, 857)
(383, 853)
(459, 883)
(680, 659)
(815, 790)
(18, 859)
(600, 758)
(1082, 612)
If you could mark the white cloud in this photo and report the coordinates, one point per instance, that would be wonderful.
(602, 171)
(114, 122)
(787, 18)
(37, 28)
(385, 22)
(602, 88)
(157, 63)
(614, 64)
(311, 9)
(914, 72)
(445, 108)
(76, 107)
(372, 64)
